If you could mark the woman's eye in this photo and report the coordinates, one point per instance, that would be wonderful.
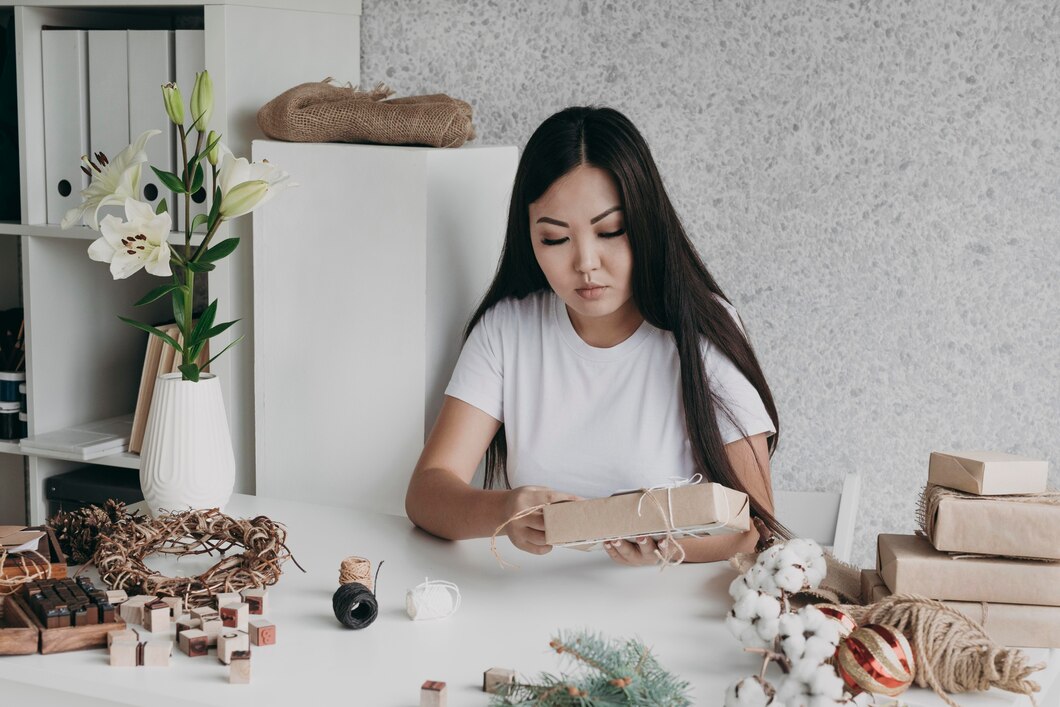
(554, 241)
(613, 234)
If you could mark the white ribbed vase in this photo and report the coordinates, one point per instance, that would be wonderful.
(187, 459)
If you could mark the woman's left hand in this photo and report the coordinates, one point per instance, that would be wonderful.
(638, 551)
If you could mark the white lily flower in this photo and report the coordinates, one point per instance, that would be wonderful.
(138, 242)
(237, 171)
(111, 183)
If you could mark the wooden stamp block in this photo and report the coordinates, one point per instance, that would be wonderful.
(176, 606)
(156, 616)
(262, 632)
(132, 611)
(212, 628)
(239, 668)
(433, 694)
(186, 622)
(229, 642)
(123, 653)
(203, 613)
(156, 653)
(194, 642)
(256, 598)
(235, 616)
(495, 678)
(225, 598)
(123, 635)
(117, 596)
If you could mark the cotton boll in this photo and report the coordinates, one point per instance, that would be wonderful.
(755, 575)
(744, 607)
(815, 573)
(788, 557)
(767, 607)
(805, 548)
(738, 588)
(827, 683)
(818, 649)
(804, 670)
(767, 629)
(794, 692)
(768, 585)
(747, 693)
(767, 558)
(790, 578)
(792, 638)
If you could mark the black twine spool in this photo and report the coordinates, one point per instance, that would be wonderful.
(355, 605)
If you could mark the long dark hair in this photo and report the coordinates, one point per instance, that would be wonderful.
(671, 286)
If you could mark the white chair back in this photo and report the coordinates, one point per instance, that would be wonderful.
(826, 517)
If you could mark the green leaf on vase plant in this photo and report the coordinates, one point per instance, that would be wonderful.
(156, 293)
(172, 181)
(197, 179)
(214, 358)
(195, 266)
(215, 208)
(162, 207)
(152, 330)
(190, 371)
(205, 323)
(219, 328)
(199, 220)
(222, 249)
(178, 308)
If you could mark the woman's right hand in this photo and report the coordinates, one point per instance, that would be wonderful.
(528, 533)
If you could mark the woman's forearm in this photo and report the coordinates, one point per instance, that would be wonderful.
(442, 504)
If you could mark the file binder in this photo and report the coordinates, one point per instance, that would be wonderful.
(190, 58)
(150, 66)
(108, 98)
(64, 62)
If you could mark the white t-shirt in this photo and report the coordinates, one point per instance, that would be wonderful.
(586, 420)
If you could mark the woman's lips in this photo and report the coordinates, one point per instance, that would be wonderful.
(591, 293)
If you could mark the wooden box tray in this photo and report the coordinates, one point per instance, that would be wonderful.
(48, 547)
(70, 638)
(18, 634)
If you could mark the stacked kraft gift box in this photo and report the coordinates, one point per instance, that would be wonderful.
(989, 547)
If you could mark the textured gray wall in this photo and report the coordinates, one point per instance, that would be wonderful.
(874, 184)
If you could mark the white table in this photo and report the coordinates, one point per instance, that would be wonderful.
(506, 620)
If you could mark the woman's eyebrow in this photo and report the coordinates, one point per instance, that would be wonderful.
(564, 224)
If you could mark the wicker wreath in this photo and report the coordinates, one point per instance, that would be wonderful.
(120, 555)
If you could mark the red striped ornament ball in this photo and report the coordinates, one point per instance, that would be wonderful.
(878, 659)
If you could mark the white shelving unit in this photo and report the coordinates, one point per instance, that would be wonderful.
(83, 364)
(365, 278)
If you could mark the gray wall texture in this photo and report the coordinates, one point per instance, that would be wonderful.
(874, 185)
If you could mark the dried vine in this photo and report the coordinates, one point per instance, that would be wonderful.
(120, 554)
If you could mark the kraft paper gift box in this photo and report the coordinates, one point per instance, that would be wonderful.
(1015, 526)
(695, 509)
(988, 473)
(1022, 625)
(909, 565)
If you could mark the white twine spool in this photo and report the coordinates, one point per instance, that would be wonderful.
(432, 600)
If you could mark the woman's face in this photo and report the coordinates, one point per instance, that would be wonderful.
(579, 237)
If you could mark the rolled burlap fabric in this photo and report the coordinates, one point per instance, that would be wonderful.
(322, 112)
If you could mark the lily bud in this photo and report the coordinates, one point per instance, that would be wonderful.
(243, 198)
(212, 155)
(202, 100)
(174, 103)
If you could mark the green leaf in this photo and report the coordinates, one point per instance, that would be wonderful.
(172, 181)
(156, 294)
(197, 180)
(218, 329)
(215, 208)
(210, 144)
(222, 249)
(204, 324)
(200, 267)
(162, 206)
(199, 220)
(151, 330)
(190, 371)
(222, 351)
(178, 308)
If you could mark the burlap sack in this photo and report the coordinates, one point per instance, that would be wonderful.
(323, 112)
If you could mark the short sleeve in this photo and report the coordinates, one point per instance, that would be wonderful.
(739, 409)
(478, 378)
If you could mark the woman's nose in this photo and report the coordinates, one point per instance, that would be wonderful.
(587, 259)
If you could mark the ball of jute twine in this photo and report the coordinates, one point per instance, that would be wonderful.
(356, 569)
(31, 569)
(953, 653)
(120, 555)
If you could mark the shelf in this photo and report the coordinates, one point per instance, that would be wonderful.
(343, 7)
(10, 448)
(125, 460)
(84, 233)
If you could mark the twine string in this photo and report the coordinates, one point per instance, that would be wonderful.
(40, 570)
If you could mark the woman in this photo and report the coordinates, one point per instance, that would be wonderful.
(604, 357)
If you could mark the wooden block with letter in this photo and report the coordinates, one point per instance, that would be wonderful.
(156, 654)
(176, 606)
(226, 598)
(262, 632)
(212, 628)
(239, 668)
(204, 612)
(123, 653)
(121, 635)
(433, 694)
(157, 616)
(256, 599)
(193, 642)
(235, 616)
(229, 642)
(496, 678)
